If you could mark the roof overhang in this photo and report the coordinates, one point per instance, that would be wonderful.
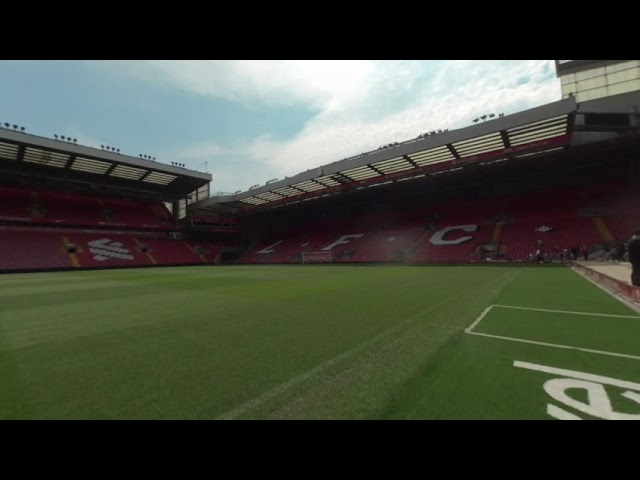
(29, 156)
(544, 128)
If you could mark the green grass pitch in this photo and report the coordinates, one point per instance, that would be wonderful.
(316, 342)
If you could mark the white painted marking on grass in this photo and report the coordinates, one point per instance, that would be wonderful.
(555, 345)
(560, 414)
(590, 377)
(568, 312)
(598, 402)
(479, 319)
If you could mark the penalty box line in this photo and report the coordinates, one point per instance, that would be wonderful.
(484, 313)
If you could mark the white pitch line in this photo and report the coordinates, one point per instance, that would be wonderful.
(569, 312)
(590, 377)
(555, 345)
(479, 319)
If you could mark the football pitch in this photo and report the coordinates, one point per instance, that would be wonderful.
(316, 342)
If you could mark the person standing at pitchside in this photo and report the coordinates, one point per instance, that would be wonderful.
(633, 248)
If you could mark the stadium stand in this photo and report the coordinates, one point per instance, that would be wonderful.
(491, 191)
(70, 209)
(168, 252)
(28, 249)
(15, 204)
(560, 219)
(34, 248)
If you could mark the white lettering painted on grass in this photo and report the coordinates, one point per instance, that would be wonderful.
(343, 239)
(269, 249)
(598, 403)
(438, 237)
(560, 414)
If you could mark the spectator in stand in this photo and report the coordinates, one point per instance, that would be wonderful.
(633, 247)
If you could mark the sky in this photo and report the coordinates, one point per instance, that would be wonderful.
(247, 122)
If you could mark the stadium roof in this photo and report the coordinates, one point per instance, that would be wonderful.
(541, 129)
(29, 156)
(570, 66)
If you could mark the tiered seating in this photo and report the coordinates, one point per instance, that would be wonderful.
(626, 218)
(107, 250)
(561, 218)
(293, 244)
(205, 250)
(130, 213)
(14, 204)
(521, 237)
(458, 214)
(26, 249)
(170, 252)
(312, 237)
(70, 209)
(162, 213)
(389, 244)
(548, 216)
(622, 227)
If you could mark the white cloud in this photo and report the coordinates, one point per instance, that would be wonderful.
(360, 104)
(318, 83)
(200, 152)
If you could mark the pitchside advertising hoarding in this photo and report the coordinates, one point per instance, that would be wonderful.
(623, 289)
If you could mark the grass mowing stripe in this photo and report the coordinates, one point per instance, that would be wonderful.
(13, 401)
(75, 318)
(364, 372)
(29, 290)
(250, 405)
